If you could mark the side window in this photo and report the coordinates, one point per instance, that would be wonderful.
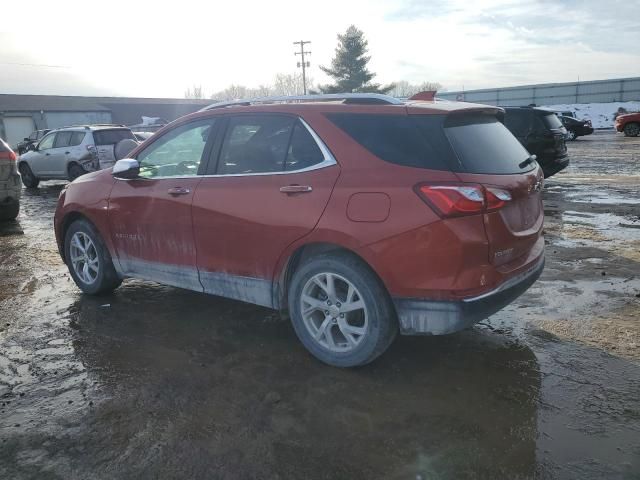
(77, 138)
(517, 123)
(178, 152)
(303, 151)
(47, 142)
(255, 144)
(63, 139)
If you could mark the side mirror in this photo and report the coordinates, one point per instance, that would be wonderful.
(126, 168)
(32, 146)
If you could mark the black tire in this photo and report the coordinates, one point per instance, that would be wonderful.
(632, 129)
(382, 321)
(107, 279)
(10, 211)
(75, 171)
(29, 180)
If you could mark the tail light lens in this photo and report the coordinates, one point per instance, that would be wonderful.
(10, 155)
(463, 199)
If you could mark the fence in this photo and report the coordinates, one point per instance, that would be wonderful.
(596, 91)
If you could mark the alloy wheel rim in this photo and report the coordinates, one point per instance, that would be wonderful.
(334, 312)
(84, 258)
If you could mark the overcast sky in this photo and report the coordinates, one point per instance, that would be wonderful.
(160, 48)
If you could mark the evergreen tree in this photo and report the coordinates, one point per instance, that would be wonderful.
(349, 66)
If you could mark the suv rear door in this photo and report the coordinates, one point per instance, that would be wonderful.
(488, 154)
(269, 180)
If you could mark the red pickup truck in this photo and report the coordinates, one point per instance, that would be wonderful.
(629, 124)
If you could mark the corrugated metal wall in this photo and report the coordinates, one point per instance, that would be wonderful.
(65, 119)
(598, 91)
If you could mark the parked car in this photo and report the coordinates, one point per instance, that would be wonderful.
(70, 152)
(629, 124)
(361, 216)
(9, 183)
(576, 128)
(542, 134)
(28, 142)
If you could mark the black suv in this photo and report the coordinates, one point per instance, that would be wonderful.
(28, 142)
(542, 134)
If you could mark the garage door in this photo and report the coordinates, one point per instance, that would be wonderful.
(16, 128)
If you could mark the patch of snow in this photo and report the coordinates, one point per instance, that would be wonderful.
(600, 114)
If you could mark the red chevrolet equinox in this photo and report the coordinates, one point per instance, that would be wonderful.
(359, 214)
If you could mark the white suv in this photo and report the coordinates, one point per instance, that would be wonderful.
(69, 152)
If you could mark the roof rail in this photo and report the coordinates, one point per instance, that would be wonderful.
(357, 98)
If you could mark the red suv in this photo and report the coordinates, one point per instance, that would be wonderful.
(359, 214)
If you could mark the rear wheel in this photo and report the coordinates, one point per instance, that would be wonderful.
(89, 260)
(340, 311)
(29, 180)
(632, 129)
(75, 171)
(10, 211)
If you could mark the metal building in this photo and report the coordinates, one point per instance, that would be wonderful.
(596, 91)
(22, 114)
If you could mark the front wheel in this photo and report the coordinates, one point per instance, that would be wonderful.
(340, 310)
(89, 260)
(632, 129)
(29, 180)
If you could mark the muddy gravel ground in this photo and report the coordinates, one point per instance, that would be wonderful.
(158, 382)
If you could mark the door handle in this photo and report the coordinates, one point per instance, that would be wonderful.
(67, 153)
(296, 189)
(47, 154)
(175, 191)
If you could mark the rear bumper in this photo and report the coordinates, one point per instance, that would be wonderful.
(428, 317)
(553, 164)
(10, 189)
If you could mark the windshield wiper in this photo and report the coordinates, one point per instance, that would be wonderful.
(530, 159)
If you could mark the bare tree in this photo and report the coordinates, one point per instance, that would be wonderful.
(289, 84)
(194, 92)
(406, 89)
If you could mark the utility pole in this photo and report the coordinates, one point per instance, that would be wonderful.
(304, 64)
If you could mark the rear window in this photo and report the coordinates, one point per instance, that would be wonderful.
(484, 145)
(397, 139)
(551, 121)
(111, 137)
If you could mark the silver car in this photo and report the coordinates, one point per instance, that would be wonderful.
(69, 152)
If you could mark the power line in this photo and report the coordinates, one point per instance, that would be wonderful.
(304, 64)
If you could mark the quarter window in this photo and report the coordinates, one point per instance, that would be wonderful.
(177, 153)
(256, 144)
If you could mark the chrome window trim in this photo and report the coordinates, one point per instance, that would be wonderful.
(329, 160)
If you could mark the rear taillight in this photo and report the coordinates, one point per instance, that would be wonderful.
(8, 156)
(462, 199)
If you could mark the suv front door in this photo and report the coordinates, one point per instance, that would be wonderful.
(150, 216)
(41, 160)
(268, 181)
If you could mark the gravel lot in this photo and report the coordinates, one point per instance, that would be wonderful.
(158, 382)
